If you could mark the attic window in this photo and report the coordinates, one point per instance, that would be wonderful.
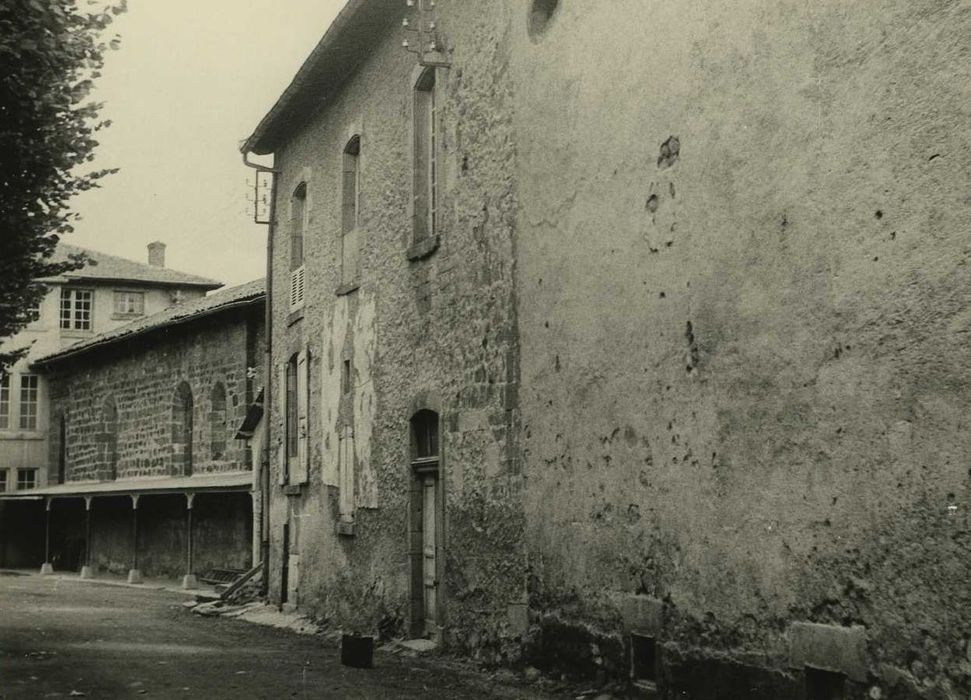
(541, 15)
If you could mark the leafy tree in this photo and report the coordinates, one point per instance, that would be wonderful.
(51, 51)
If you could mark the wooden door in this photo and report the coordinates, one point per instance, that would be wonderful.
(430, 551)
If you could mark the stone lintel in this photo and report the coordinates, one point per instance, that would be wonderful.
(829, 648)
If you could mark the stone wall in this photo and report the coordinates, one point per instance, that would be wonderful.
(436, 333)
(743, 300)
(140, 379)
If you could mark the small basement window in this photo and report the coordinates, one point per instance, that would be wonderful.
(643, 658)
(824, 685)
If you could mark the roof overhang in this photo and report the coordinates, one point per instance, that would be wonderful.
(69, 353)
(203, 483)
(347, 42)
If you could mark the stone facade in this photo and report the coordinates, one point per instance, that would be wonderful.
(165, 402)
(694, 329)
(149, 288)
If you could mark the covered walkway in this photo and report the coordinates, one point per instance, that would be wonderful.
(159, 523)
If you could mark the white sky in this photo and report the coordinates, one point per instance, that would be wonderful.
(191, 81)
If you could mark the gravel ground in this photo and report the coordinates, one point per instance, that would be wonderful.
(62, 638)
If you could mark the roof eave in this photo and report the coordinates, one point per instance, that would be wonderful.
(72, 354)
(324, 68)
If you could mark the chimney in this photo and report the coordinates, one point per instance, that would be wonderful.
(156, 254)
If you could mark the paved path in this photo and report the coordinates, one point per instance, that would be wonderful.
(59, 636)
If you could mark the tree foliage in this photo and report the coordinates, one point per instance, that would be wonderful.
(51, 52)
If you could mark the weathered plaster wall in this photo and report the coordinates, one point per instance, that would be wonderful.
(743, 289)
(435, 333)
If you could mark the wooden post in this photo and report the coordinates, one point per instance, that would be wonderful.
(134, 575)
(189, 580)
(86, 570)
(47, 567)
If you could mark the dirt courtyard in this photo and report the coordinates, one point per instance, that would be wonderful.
(60, 638)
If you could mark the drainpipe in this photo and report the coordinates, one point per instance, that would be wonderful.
(267, 379)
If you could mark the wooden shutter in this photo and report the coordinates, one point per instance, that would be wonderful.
(281, 440)
(299, 469)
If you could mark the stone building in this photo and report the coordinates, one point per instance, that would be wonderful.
(150, 476)
(106, 293)
(629, 339)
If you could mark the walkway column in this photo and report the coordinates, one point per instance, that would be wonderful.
(134, 575)
(47, 568)
(86, 571)
(189, 580)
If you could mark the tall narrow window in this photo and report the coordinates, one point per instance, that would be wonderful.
(108, 439)
(182, 430)
(3, 480)
(292, 434)
(217, 422)
(29, 389)
(4, 401)
(426, 157)
(61, 447)
(298, 223)
(350, 199)
(76, 307)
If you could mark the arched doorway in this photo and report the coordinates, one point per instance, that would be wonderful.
(427, 510)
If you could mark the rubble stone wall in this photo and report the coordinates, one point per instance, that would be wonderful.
(437, 333)
(140, 380)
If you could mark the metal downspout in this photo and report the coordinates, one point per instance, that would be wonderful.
(267, 382)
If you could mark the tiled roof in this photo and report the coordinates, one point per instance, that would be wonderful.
(214, 303)
(111, 267)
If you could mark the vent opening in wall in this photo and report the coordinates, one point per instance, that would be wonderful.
(541, 15)
(643, 659)
(824, 685)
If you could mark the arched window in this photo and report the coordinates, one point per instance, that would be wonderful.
(108, 439)
(58, 446)
(424, 431)
(426, 157)
(350, 199)
(217, 422)
(298, 224)
(182, 430)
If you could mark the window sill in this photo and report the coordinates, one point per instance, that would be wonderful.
(423, 248)
(292, 489)
(345, 528)
(14, 434)
(347, 288)
(75, 333)
(125, 317)
(295, 316)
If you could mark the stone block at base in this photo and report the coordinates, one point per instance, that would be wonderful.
(190, 582)
(134, 576)
(87, 572)
(46, 569)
